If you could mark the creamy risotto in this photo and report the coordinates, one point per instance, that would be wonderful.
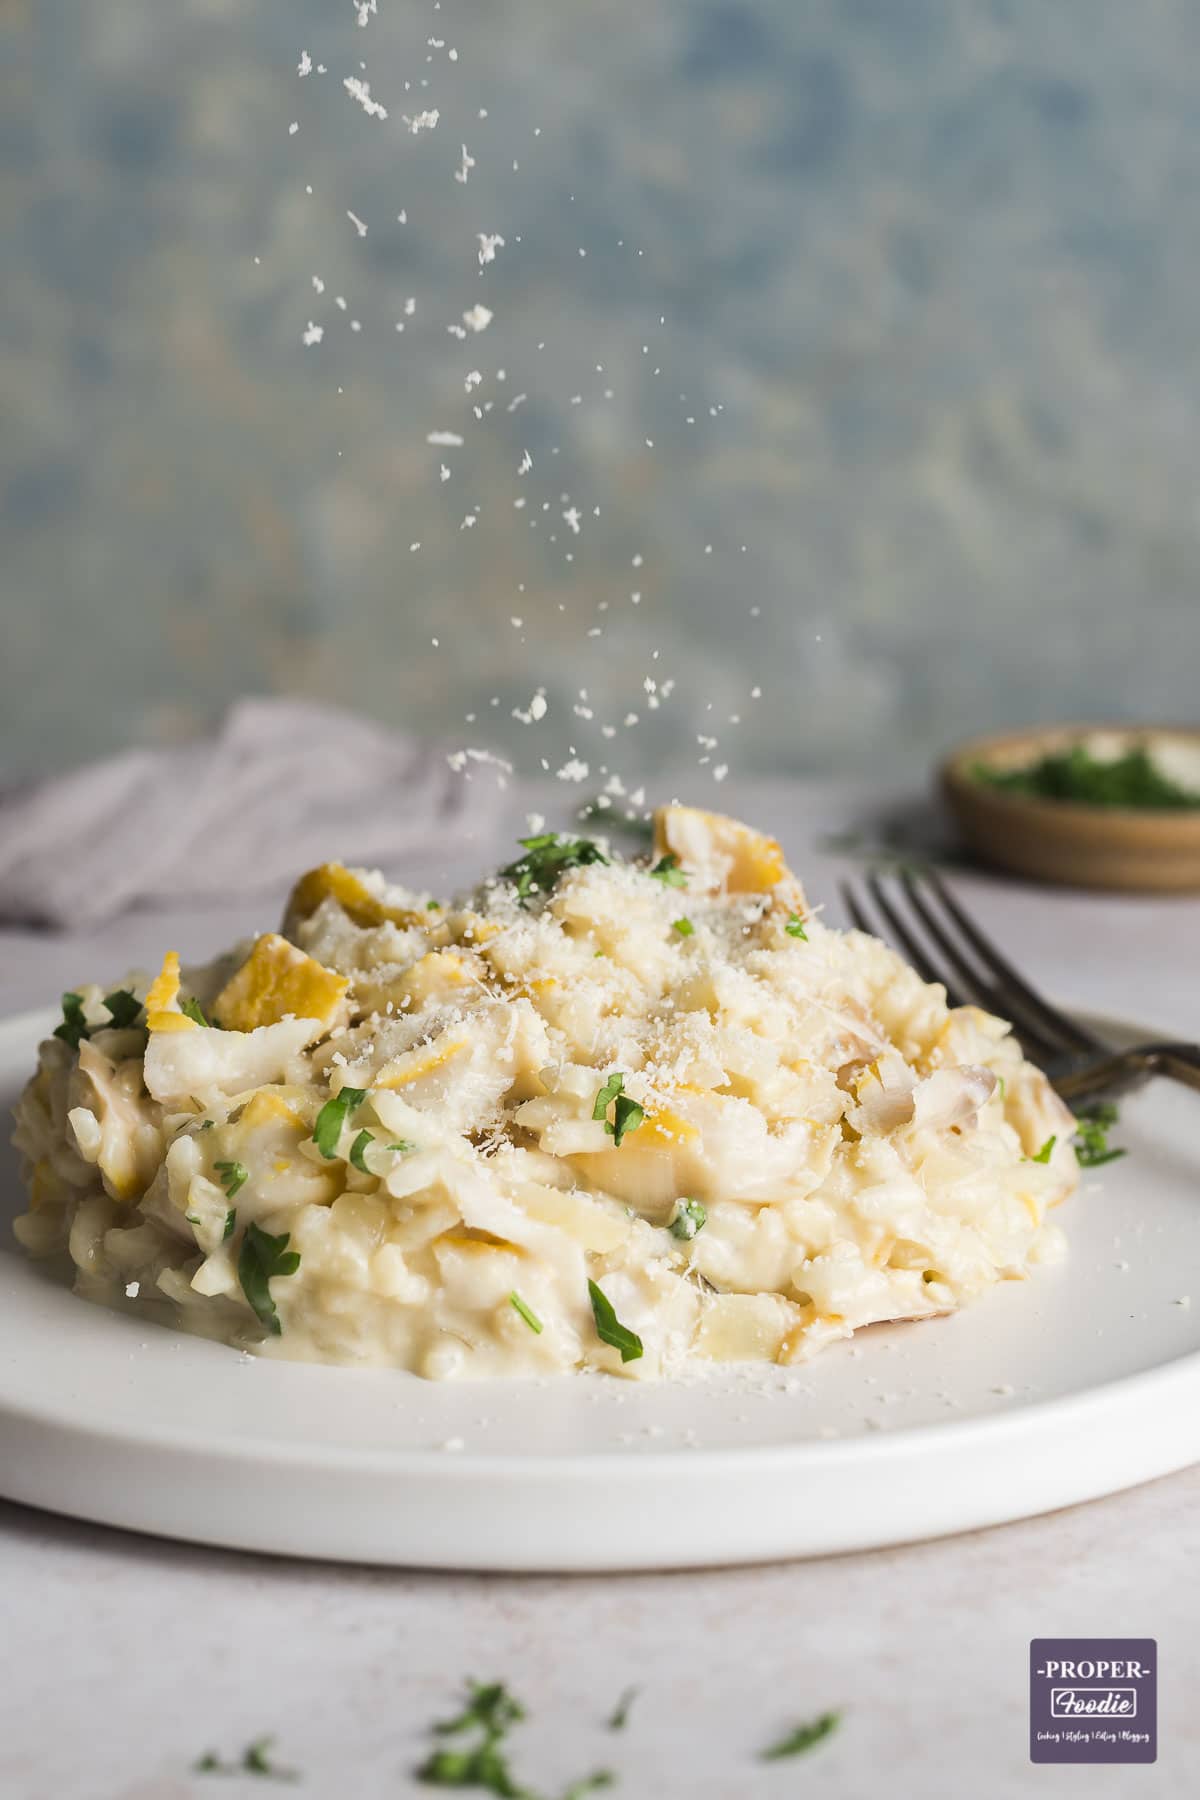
(622, 1115)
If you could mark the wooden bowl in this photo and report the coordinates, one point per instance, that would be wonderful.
(1129, 848)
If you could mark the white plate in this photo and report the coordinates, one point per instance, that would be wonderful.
(1079, 1382)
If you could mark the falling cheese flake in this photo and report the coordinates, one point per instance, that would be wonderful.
(489, 243)
(468, 163)
(575, 770)
(304, 66)
(445, 473)
(410, 307)
(358, 224)
(318, 285)
(572, 517)
(312, 333)
(525, 464)
(458, 760)
(449, 439)
(478, 318)
(422, 121)
(468, 521)
(473, 380)
(293, 128)
(361, 91)
(536, 709)
(364, 9)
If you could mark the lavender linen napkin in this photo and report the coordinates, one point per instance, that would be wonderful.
(283, 785)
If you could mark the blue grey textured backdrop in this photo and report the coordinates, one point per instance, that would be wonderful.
(927, 277)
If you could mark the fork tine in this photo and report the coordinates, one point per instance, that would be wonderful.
(854, 910)
(1035, 1040)
(997, 998)
(1011, 984)
(911, 945)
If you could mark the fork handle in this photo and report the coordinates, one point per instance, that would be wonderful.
(1179, 1062)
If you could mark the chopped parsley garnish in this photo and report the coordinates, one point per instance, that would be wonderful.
(628, 1114)
(255, 1760)
(230, 1224)
(332, 1116)
(433, 906)
(803, 1738)
(401, 1144)
(795, 927)
(526, 1312)
(668, 871)
(74, 1027)
(690, 1217)
(123, 1007)
(234, 1175)
(263, 1256)
(546, 858)
(609, 1328)
(1046, 1151)
(1078, 777)
(684, 927)
(358, 1147)
(1092, 1126)
(619, 1717)
(192, 1009)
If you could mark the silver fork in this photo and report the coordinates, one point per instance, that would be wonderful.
(943, 943)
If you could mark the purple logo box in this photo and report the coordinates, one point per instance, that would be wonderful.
(1093, 1700)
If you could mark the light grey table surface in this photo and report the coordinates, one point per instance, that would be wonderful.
(125, 1658)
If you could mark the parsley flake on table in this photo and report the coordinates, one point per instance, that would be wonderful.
(327, 1131)
(1046, 1151)
(74, 1027)
(234, 1175)
(123, 1008)
(1092, 1126)
(526, 1311)
(255, 1760)
(619, 1716)
(668, 871)
(263, 1256)
(690, 1217)
(609, 1328)
(804, 1738)
(795, 927)
(490, 1713)
(547, 857)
